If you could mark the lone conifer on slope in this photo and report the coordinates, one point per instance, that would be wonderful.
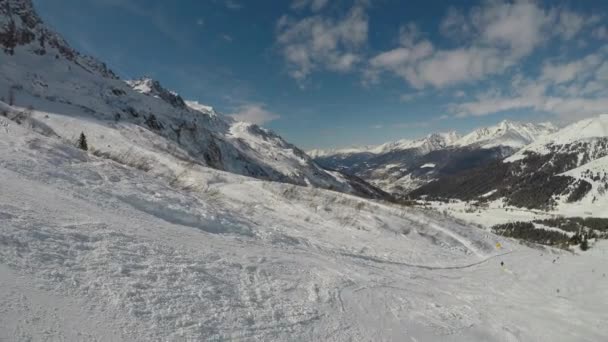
(82, 142)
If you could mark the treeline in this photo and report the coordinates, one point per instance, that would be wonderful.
(595, 226)
(533, 182)
(584, 229)
(528, 232)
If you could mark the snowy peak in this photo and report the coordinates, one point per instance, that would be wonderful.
(22, 28)
(429, 143)
(506, 133)
(596, 127)
(581, 137)
(152, 87)
(200, 107)
(441, 140)
(318, 153)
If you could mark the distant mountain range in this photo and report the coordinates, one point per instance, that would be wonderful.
(568, 166)
(526, 165)
(405, 165)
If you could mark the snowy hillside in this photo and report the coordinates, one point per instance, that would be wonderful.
(588, 130)
(96, 249)
(140, 119)
(507, 133)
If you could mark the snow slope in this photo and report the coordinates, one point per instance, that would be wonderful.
(93, 249)
(39, 70)
(586, 130)
(507, 133)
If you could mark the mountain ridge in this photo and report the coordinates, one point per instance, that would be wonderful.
(74, 93)
(404, 165)
(562, 170)
(485, 137)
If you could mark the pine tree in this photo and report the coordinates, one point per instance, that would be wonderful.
(82, 142)
(585, 244)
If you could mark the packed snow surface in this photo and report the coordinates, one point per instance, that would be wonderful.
(94, 250)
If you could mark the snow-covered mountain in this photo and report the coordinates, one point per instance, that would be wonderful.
(140, 119)
(429, 143)
(403, 165)
(566, 171)
(146, 236)
(506, 133)
(587, 131)
(93, 250)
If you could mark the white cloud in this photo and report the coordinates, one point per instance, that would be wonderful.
(602, 72)
(459, 93)
(254, 113)
(518, 26)
(315, 5)
(319, 42)
(493, 37)
(200, 22)
(403, 55)
(569, 24)
(455, 25)
(227, 37)
(408, 97)
(409, 34)
(566, 72)
(600, 33)
(233, 5)
(571, 90)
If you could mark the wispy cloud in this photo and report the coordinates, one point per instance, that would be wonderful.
(492, 38)
(411, 96)
(255, 113)
(233, 5)
(314, 5)
(227, 37)
(321, 42)
(570, 89)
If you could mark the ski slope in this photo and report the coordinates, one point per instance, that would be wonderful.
(95, 250)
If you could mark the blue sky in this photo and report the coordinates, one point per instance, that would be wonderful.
(352, 72)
